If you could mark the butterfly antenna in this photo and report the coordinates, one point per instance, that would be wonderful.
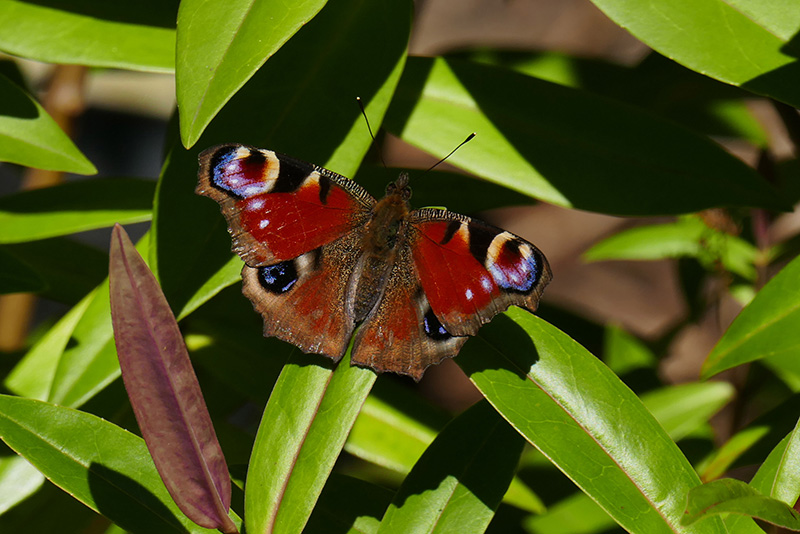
(369, 128)
(464, 142)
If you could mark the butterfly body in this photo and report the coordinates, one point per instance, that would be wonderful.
(324, 259)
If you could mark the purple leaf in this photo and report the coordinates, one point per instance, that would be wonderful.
(164, 392)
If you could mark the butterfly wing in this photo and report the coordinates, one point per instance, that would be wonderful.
(278, 207)
(298, 228)
(302, 300)
(470, 270)
(452, 274)
(401, 334)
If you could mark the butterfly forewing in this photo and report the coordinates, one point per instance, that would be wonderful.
(278, 207)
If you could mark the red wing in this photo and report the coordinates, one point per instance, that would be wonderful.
(302, 300)
(402, 335)
(278, 207)
(471, 271)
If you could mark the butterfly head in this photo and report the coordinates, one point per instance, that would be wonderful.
(400, 187)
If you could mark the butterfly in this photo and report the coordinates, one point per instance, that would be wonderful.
(324, 259)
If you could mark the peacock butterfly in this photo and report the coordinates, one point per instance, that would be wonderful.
(323, 257)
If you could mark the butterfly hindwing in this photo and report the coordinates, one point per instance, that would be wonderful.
(278, 207)
(302, 299)
(471, 271)
(402, 334)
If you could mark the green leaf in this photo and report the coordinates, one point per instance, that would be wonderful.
(624, 353)
(751, 444)
(769, 325)
(776, 477)
(134, 36)
(577, 514)
(729, 496)
(18, 481)
(33, 375)
(28, 135)
(74, 207)
(742, 42)
(110, 473)
(589, 424)
(302, 431)
(16, 276)
(227, 275)
(377, 33)
(89, 362)
(564, 146)
(459, 481)
(222, 44)
(688, 236)
(683, 408)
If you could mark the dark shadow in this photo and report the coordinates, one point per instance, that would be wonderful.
(505, 346)
(656, 84)
(781, 83)
(92, 194)
(70, 268)
(15, 102)
(343, 500)
(159, 13)
(129, 504)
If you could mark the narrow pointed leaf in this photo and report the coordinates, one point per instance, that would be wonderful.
(776, 477)
(74, 207)
(461, 478)
(18, 480)
(103, 466)
(28, 135)
(221, 45)
(577, 412)
(751, 444)
(769, 325)
(742, 42)
(33, 376)
(564, 146)
(682, 408)
(687, 237)
(89, 363)
(302, 432)
(164, 391)
(126, 35)
(623, 353)
(730, 496)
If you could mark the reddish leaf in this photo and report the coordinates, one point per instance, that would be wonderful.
(164, 392)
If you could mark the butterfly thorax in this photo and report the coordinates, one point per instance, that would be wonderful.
(380, 245)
